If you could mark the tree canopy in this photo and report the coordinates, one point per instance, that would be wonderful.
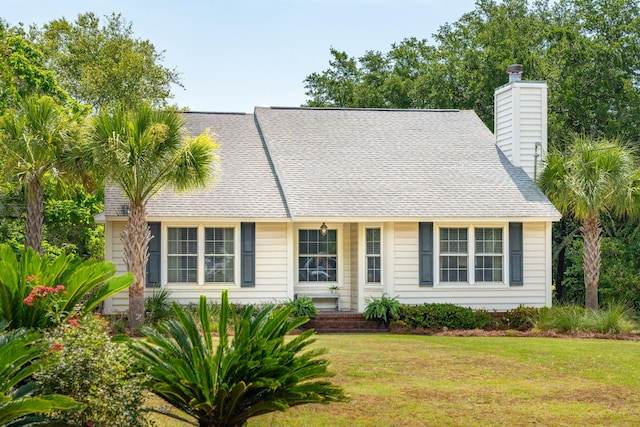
(22, 70)
(99, 62)
(588, 51)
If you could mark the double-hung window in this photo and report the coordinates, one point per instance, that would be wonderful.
(317, 256)
(190, 248)
(471, 255)
(182, 254)
(219, 256)
(489, 255)
(372, 236)
(454, 255)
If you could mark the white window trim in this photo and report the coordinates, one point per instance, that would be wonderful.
(164, 251)
(362, 255)
(471, 262)
(339, 255)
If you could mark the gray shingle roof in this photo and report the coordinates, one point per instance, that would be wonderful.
(353, 163)
(395, 163)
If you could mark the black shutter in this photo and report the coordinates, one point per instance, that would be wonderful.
(153, 264)
(515, 254)
(248, 254)
(425, 231)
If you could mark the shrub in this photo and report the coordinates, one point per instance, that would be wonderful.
(38, 292)
(21, 355)
(157, 307)
(303, 306)
(483, 318)
(384, 308)
(521, 318)
(439, 316)
(225, 383)
(95, 371)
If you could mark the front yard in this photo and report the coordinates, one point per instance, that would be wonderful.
(400, 380)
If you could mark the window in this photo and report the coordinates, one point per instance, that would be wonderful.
(182, 262)
(489, 256)
(219, 257)
(201, 254)
(454, 255)
(472, 255)
(317, 256)
(373, 254)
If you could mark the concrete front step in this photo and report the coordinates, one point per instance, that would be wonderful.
(345, 323)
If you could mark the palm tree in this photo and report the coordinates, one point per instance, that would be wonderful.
(37, 138)
(593, 177)
(223, 383)
(141, 151)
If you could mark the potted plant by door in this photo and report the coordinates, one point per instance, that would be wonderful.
(334, 289)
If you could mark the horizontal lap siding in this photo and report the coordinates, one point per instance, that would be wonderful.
(120, 301)
(271, 272)
(531, 294)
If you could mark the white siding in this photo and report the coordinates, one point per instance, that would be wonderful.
(521, 121)
(276, 262)
(271, 271)
(536, 269)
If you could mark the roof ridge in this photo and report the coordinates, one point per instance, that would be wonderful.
(217, 112)
(421, 110)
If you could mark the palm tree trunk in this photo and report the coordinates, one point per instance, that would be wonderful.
(590, 230)
(136, 237)
(35, 215)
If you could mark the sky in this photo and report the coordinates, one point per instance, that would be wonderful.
(234, 55)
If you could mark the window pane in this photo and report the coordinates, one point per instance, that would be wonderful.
(317, 257)
(453, 255)
(489, 246)
(219, 260)
(182, 258)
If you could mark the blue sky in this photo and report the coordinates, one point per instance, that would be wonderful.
(237, 54)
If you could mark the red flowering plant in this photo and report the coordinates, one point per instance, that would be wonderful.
(49, 298)
(41, 292)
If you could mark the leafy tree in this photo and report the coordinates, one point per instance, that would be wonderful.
(22, 70)
(38, 139)
(141, 151)
(588, 51)
(38, 292)
(21, 355)
(225, 384)
(101, 63)
(592, 178)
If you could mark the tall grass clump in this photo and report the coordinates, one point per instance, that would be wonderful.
(615, 318)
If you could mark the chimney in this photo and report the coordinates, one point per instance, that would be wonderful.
(520, 120)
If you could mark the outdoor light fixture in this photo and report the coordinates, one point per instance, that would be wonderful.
(323, 229)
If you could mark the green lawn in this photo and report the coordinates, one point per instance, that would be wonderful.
(398, 380)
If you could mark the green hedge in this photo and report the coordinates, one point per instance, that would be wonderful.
(440, 316)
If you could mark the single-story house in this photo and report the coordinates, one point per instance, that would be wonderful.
(426, 205)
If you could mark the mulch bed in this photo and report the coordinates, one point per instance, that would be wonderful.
(543, 334)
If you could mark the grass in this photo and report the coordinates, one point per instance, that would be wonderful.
(399, 380)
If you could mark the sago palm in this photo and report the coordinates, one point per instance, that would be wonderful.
(21, 355)
(141, 151)
(36, 139)
(225, 383)
(86, 284)
(593, 177)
